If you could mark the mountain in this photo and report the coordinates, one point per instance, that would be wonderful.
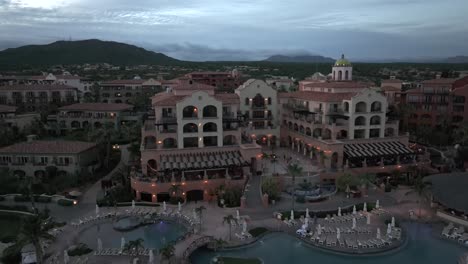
(82, 51)
(457, 59)
(300, 58)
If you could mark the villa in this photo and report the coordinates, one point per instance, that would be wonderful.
(9, 115)
(121, 91)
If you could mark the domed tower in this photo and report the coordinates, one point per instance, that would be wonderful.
(342, 70)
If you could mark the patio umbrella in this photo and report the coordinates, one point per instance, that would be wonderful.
(368, 219)
(393, 221)
(97, 209)
(164, 206)
(75, 193)
(319, 230)
(244, 226)
(237, 215)
(151, 257)
(377, 204)
(389, 229)
(354, 210)
(348, 190)
(354, 223)
(122, 243)
(338, 233)
(365, 207)
(306, 222)
(378, 233)
(133, 204)
(66, 258)
(99, 245)
(307, 213)
(179, 207)
(292, 215)
(339, 211)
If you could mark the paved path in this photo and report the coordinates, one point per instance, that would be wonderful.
(253, 195)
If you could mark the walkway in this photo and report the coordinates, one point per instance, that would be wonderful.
(253, 193)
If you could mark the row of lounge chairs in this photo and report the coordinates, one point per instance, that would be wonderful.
(242, 235)
(458, 234)
(344, 218)
(119, 252)
(331, 240)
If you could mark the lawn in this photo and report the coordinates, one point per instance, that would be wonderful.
(229, 260)
(10, 225)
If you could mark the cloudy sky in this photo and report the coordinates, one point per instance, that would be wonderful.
(247, 29)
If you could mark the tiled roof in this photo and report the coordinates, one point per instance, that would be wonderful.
(48, 147)
(440, 81)
(166, 99)
(124, 82)
(190, 85)
(210, 72)
(228, 98)
(389, 88)
(97, 107)
(392, 81)
(339, 85)
(7, 108)
(31, 87)
(318, 96)
(68, 77)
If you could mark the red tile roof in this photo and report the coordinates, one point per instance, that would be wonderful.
(167, 99)
(31, 87)
(191, 85)
(48, 147)
(318, 96)
(392, 81)
(7, 109)
(389, 88)
(105, 107)
(228, 98)
(339, 85)
(440, 81)
(124, 82)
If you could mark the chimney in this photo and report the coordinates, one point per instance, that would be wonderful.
(31, 138)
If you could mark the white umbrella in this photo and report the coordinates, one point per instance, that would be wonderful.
(151, 257)
(237, 215)
(244, 226)
(66, 258)
(377, 204)
(133, 204)
(179, 207)
(378, 233)
(292, 215)
(319, 229)
(307, 213)
(97, 209)
(354, 209)
(164, 206)
(389, 229)
(99, 245)
(306, 222)
(393, 221)
(122, 243)
(365, 207)
(339, 211)
(348, 189)
(195, 214)
(368, 219)
(354, 223)
(338, 233)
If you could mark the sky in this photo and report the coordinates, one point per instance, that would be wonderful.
(247, 29)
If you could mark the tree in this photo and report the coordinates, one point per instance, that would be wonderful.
(199, 210)
(167, 252)
(135, 246)
(134, 150)
(294, 170)
(460, 134)
(421, 188)
(271, 187)
(229, 219)
(103, 136)
(174, 190)
(219, 243)
(34, 229)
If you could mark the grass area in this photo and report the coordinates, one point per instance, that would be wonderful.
(10, 225)
(255, 232)
(229, 260)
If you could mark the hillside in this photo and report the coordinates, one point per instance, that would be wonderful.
(83, 51)
(301, 58)
(457, 59)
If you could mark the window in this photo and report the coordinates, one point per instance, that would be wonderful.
(269, 100)
(458, 108)
(22, 159)
(459, 99)
(44, 160)
(247, 101)
(5, 159)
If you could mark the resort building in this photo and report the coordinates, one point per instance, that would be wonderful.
(37, 97)
(32, 158)
(194, 140)
(122, 91)
(91, 115)
(10, 117)
(223, 81)
(285, 83)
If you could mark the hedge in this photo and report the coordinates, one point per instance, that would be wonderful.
(81, 249)
(64, 202)
(42, 199)
(255, 232)
(22, 198)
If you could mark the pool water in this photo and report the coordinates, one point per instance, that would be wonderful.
(279, 248)
(155, 235)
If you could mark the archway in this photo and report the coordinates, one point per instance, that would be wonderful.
(361, 107)
(150, 142)
(375, 120)
(376, 106)
(340, 75)
(163, 197)
(326, 134)
(209, 111)
(360, 121)
(342, 134)
(146, 197)
(308, 131)
(210, 127)
(258, 101)
(190, 128)
(317, 133)
(194, 195)
(296, 127)
(190, 112)
(301, 129)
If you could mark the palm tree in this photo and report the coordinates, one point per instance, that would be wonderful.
(134, 150)
(33, 230)
(229, 219)
(104, 136)
(199, 210)
(421, 188)
(167, 252)
(27, 187)
(135, 246)
(460, 134)
(294, 170)
(219, 243)
(175, 189)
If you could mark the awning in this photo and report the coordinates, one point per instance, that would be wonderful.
(197, 161)
(378, 149)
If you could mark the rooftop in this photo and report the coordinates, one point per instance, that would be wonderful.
(48, 147)
(440, 81)
(318, 96)
(97, 107)
(339, 85)
(29, 87)
(124, 82)
(168, 99)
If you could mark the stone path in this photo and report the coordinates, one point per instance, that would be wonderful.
(253, 195)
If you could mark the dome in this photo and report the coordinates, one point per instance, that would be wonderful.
(342, 62)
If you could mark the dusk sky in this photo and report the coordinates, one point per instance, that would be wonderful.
(247, 29)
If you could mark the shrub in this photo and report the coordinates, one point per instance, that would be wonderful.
(255, 232)
(22, 198)
(300, 199)
(231, 196)
(271, 187)
(11, 254)
(64, 202)
(42, 199)
(81, 249)
(176, 200)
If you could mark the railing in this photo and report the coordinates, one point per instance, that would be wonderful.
(195, 245)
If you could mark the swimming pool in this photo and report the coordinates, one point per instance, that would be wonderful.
(281, 248)
(154, 235)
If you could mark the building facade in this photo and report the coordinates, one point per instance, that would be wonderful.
(223, 81)
(10, 117)
(122, 91)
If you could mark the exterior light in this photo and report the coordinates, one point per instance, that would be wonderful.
(205, 181)
(153, 185)
(399, 166)
(154, 195)
(159, 142)
(75, 202)
(199, 124)
(183, 183)
(200, 139)
(183, 193)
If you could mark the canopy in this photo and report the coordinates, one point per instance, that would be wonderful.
(378, 149)
(197, 161)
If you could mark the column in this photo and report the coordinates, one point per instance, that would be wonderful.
(292, 144)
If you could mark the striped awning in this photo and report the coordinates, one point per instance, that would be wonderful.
(378, 149)
(197, 161)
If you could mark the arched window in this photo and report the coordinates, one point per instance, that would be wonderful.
(301, 129)
(360, 121)
(317, 133)
(296, 127)
(169, 143)
(346, 75)
(361, 107)
(190, 112)
(210, 127)
(340, 75)
(210, 111)
(247, 101)
(376, 106)
(190, 128)
(375, 120)
(258, 101)
(308, 131)
(346, 107)
(326, 134)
